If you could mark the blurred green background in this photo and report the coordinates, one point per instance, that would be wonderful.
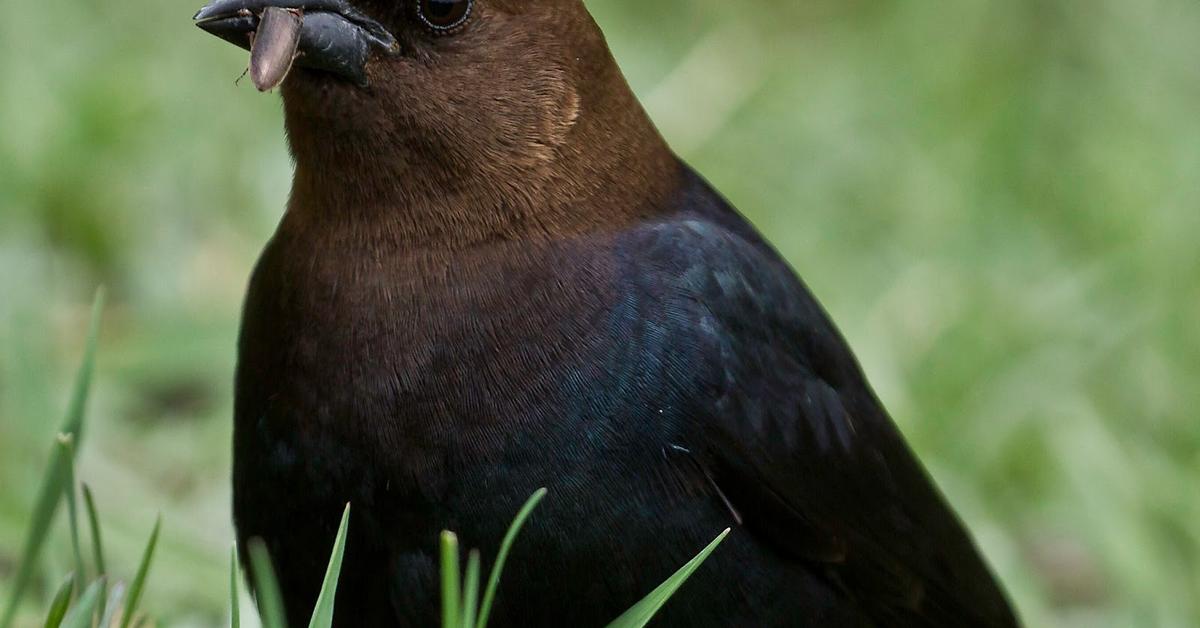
(999, 201)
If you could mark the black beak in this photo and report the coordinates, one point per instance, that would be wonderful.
(333, 35)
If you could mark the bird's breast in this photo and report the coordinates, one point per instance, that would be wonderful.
(424, 364)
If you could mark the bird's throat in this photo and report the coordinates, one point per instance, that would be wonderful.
(404, 189)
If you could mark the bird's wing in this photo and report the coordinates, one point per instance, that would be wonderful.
(796, 441)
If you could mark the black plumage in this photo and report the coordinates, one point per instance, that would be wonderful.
(494, 276)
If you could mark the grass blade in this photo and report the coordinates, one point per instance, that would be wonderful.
(94, 524)
(112, 606)
(139, 581)
(450, 583)
(52, 483)
(266, 586)
(642, 612)
(62, 600)
(73, 424)
(235, 611)
(67, 456)
(485, 608)
(81, 616)
(470, 599)
(322, 616)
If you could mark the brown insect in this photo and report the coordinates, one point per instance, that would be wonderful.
(274, 46)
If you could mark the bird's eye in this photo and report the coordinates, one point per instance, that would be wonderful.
(444, 15)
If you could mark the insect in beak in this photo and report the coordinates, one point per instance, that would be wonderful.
(328, 35)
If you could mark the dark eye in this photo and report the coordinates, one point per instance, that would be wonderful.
(444, 15)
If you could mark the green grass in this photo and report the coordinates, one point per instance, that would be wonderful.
(460, 602)
(59, 479)
(996, 200)
(461, 605)
(266, 586)
(510, 537)
(58, 484)
(323, 612)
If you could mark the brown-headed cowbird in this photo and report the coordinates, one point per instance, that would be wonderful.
(493, 275)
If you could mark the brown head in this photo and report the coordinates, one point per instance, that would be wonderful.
(483, 119)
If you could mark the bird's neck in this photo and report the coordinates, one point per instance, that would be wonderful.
(393, 188)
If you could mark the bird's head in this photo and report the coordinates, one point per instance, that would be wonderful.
(502, 101)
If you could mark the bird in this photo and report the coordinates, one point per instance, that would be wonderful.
(494, 275)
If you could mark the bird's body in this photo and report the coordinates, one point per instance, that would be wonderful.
(445, 322)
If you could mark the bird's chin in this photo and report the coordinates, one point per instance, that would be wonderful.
(318, 97)
(303, 81)
(307, 83)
